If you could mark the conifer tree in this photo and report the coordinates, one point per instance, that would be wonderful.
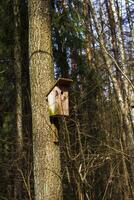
(46, 153)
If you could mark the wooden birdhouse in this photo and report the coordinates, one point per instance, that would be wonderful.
(58, 98)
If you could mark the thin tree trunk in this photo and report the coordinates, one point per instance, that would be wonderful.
(129, 18)
(112, 29)
(126, 87)
(88, 39)
(46, 152)
(19, 131)
(119, 32)
(127, 133)
(109, 61)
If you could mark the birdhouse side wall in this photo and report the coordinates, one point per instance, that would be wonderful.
(58, 101)
(64, 101)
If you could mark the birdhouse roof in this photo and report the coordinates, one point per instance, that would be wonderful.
(61, 82)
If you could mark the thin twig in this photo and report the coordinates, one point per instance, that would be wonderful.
(119, 67)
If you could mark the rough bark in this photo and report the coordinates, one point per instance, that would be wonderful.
(46, 153)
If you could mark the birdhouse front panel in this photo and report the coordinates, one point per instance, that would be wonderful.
(58, 101)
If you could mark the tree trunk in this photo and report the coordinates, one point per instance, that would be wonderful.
(88, 33)
(129, 18)
(19, 131)
(46, 152)
(127, 133)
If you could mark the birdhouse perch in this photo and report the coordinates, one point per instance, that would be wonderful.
(58, 98)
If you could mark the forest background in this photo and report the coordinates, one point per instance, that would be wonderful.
(93, 44)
